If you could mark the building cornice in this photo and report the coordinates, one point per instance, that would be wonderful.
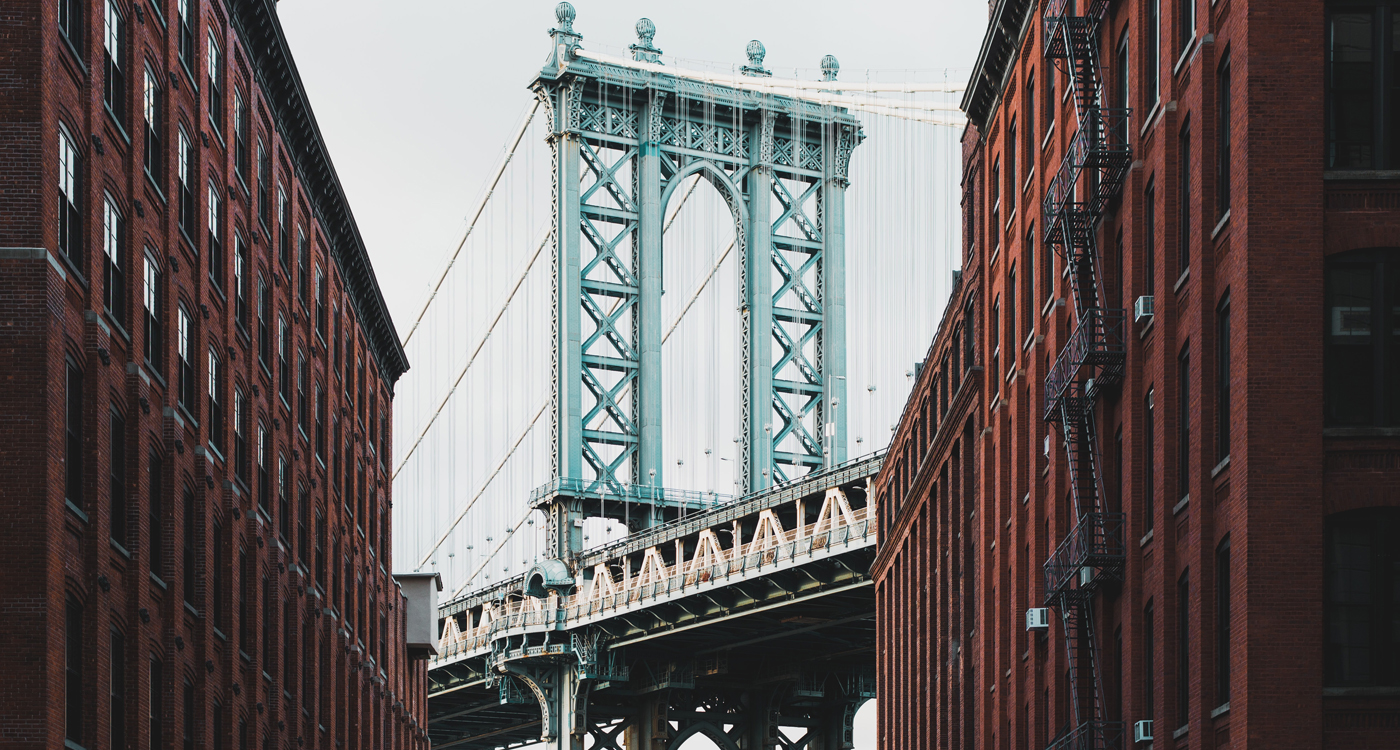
(1005, 31)
(257, 24)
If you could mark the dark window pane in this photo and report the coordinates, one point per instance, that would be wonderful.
(1350, 359)
(1352, 119)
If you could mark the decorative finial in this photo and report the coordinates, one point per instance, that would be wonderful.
(756, 53)
(564, 13)
(830, 67)
(644, 50)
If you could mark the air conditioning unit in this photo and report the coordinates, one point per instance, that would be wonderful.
(1142, 731)
(1038, 618)
(1047, 446)
(1086, 576)
(1144, 307)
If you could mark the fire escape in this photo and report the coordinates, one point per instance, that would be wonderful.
(1090, 175)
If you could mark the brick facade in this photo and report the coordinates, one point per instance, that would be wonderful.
(249, 611)
(971, 511)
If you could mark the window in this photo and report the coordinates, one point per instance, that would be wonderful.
(320, 550)
(187, 50)
(996, 345)
(264, 498)
(996, 204)
(1118, 271)
(1010, 321)
(1152, 56)
(284, 239)
(240, 282)
(241, 124)
(73, 429)
(1183, 202)
(1122, 98)
(1362, 605)
(284, 374)
(1028, 294)
(216, 402)
(267, 614)
(185, 351)
(114, 262)
(214, 74)
(1052, 103)
(1149, 462)
(1222, 380)
(1222, 623)
(1362, 360)
(321, 424)
(116, 691)
(1363, 109)
(1012, 186)
(73, 671)
(320, 303)
(153, 107)
(217, 578)
(240, 435)
(113, 56)
(384, 427)
(116, 475)
(188, 561)
(1149, 662)
(152, 299)
(185, 176)
(1183, 649)
(1149, 238)
(156, 707)
(1028, 130)
(289, 645)
(303, 267)
(217, 725)
(1222, 141)
(216, 237)
(155, 511)
(70, 191)
(264, 334)
(303, 521)
(264, 187)
(70, 22)
(245, 582)
(189, 715)
(1183, 423)
(1185, 25)
(303, 411)
(284, 500)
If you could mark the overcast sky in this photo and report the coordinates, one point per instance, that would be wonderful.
(416, 98)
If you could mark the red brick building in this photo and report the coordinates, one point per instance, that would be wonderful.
(198, 378)
(1221, 518)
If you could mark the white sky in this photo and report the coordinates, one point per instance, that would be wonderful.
(416, 98)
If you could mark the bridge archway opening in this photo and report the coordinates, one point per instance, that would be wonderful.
(701, 253)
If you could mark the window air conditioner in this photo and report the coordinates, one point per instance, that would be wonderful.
(1047, 446)
(1142, 731)
(1144, 307)
(1086, 576)
(1038, 618)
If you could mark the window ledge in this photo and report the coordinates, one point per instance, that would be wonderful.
(1151, 118)
(1180, 506)
(1146, 538)
(116, 545)
(121, 129)
(1181, 281)
(1187, 53)
(190, 608)
(1045, 142)
(1148, 326)
(75, 510)
(1361, 174)
(1360, 432)
(157, 581)
(1361, 692)
(1221, 710)
(1220, 225)
(155, 186)
(1181, 731)
(1223, 465)
(71, 745)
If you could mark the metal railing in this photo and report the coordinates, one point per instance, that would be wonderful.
(1097, 543)
(635, 493)
(1097, 341)
(1091, 735)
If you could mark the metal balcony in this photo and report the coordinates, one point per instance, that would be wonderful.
(1059, 18)
(1091, 735)
(1097, 343)
(1101, 147)
(1096, 543)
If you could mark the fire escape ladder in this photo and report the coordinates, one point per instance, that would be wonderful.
(1090, 176)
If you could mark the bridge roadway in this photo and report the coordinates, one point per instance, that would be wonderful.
(729, 622)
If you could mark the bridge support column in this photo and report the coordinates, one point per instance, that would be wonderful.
(648, 729)
(758, 315)
(650, 228)
(833, 335)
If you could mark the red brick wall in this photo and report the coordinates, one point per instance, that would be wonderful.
(53, 311)
(1285, 472)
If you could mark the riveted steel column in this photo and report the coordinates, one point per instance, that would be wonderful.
(834, 310)
(568, 374)
(758, 307)
(649, 461)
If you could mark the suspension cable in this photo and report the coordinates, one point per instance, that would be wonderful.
(480, 207)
